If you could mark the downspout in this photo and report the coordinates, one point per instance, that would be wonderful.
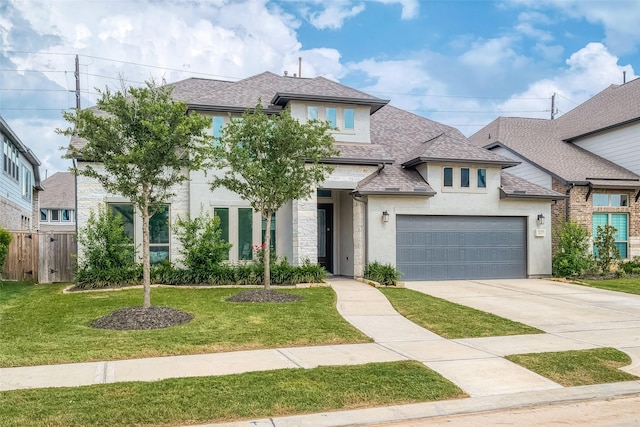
(566, 202)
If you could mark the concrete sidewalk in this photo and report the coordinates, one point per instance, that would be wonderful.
(476, 365)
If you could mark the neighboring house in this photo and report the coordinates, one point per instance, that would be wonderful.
(590, 153)
(57, 203)
(19, 183)
(405, 190)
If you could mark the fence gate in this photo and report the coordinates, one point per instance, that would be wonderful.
(44, 257)
(57, 257)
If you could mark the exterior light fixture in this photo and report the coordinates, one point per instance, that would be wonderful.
(540, 219)
(385, 216)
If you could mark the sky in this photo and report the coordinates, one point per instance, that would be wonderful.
(458, 62)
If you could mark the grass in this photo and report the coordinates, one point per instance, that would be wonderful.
(40, 325)
(451, 320)
(216, 399)
(630, 286)
(578, 367)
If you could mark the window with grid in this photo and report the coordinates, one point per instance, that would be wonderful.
(618, 220)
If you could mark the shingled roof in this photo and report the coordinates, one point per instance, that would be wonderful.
(399, 139)
(547, 143)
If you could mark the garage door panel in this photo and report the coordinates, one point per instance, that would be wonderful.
(440, 247)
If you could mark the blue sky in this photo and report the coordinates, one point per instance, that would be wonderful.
(460, 62)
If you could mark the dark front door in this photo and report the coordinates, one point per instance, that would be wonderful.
(325, 236)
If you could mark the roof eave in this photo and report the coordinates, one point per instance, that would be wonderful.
(419, 160)
(283, 98)
(505, 195)
(350, 161)
(395, 193)
(230, 109)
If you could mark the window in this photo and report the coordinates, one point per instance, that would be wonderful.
(272, 238)
(55, 215)
(217, 123)
(245, 233)
(312, 113)
(321, 192)
(159, 235)
(482, 178)
(610, 200)
(66, 215)
(620, 222)
(43, 215)
(448, 177)
(331, 116)
(223, 214)
(464, 177)
(348, 118)
(10, 163)
(125, 210)
(27, 184)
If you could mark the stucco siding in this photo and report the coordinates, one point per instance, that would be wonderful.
(618, 145)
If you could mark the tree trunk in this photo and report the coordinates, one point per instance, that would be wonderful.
(267, 252)
(146, 263)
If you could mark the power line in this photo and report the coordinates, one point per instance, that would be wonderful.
(451, 96)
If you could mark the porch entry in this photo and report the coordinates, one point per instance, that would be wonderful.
(325, 236)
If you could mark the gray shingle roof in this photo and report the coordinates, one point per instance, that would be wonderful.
(542, 141)
(59, 191)
(514, 186)
(397, 136)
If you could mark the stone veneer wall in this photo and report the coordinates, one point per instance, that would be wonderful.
(359, 238)
(581, 211)
(305, 229)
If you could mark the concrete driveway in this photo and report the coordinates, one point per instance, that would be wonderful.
(581, 314)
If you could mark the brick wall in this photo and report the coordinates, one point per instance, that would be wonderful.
(581, 211)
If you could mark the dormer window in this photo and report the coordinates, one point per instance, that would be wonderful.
(312, 113)
(348, 118)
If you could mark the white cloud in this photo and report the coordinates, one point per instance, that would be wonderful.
(410, 8)
(334, 15)
(491, 53)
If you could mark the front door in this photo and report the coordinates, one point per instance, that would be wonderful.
(325, 236)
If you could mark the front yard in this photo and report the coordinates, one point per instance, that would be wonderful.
(40, 325)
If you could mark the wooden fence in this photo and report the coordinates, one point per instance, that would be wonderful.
(45, 257)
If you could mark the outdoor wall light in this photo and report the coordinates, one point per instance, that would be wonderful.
(540, 219)
(385, 216)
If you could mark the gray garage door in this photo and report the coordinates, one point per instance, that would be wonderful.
(458, 247)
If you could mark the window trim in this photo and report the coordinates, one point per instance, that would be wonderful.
(609, 220)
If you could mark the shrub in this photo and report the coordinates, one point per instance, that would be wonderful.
(105, 245)
(202, 245)
(632, 266)
(572, 256)
(385, 274)
(607, 253)
(5, 240)
(93, 278)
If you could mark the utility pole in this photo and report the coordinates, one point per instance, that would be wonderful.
(77, 76)
(553, 106)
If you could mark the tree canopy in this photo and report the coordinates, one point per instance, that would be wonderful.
(270, 160)
(140, 144)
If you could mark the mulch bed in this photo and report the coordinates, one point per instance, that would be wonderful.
(139, 318)
(262, 295)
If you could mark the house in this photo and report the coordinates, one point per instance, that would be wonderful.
(19, 183)
(590, 154)
(57, 203)
(405, 190)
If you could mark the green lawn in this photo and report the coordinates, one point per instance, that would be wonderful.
(216, 399)
(40, 325)
(630, 286)
(578, 367)
(451, 320)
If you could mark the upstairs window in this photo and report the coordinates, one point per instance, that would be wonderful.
(10, 161)
(217, 123)
(464, 177)
(348, 118)
(331, 116)
(27, 184)
(312, 113)
(610, 200)
(448, 177)
(482, 178)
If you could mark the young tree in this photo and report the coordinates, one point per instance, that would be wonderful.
(145, 142)
(270, 160)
